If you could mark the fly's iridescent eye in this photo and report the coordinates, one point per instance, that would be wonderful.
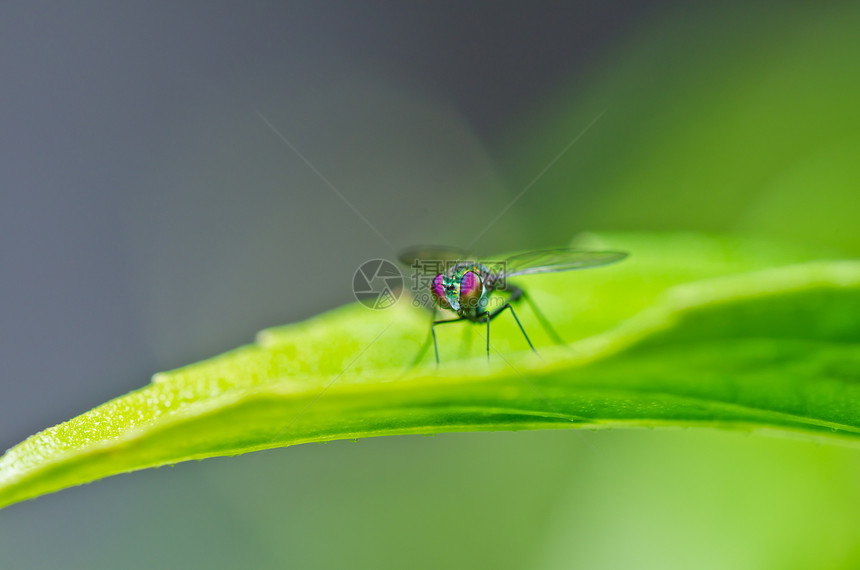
(471, 290)
(438, 291)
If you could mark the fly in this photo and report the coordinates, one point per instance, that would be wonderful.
(464, 285)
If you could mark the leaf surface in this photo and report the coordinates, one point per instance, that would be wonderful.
(692, 330)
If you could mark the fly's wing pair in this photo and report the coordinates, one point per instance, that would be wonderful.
(553, 260)
(541, 261)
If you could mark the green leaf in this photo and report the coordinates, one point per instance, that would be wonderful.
(690, 331)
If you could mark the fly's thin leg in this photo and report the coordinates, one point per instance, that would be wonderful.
(488, 337)
(515, 294)
(498, 311)
(433, 332)
(542, 319)
(522, 330)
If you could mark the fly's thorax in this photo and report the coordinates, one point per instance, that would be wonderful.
(462, 289)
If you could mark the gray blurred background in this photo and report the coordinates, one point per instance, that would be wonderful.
(150, 217)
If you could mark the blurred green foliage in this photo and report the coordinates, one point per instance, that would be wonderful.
(739, 118)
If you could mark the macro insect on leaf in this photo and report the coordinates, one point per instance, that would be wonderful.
(459, 283)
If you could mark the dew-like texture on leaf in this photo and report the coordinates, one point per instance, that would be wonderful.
(691, 330)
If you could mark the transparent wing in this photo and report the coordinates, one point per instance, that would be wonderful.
(552, 260)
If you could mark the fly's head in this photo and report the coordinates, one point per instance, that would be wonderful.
(461, 291)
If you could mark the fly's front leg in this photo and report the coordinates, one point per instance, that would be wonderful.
(433, 332)
(488, 336)
(516, 294)
(542, 319)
